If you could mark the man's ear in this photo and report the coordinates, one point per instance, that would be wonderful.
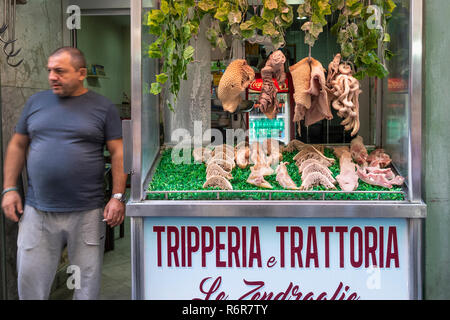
(83, 73)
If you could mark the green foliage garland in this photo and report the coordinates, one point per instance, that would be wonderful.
(359, 31)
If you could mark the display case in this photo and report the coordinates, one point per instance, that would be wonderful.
(214, 244)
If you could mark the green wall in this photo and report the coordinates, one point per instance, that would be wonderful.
(436, 174)
(105, 40)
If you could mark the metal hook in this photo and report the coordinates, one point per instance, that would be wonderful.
(2, 31)
(309, 55)
(9, 17)
(3, 28)
(7, 43)
(13, 65)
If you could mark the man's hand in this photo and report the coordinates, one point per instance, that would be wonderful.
(12, 203)
(114, 212)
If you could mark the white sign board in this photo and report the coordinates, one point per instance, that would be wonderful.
(275, 258)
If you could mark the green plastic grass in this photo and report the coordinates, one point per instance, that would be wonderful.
(172, 177)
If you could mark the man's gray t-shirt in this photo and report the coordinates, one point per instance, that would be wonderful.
(65, 161)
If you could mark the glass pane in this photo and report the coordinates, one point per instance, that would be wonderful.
(396, 90)
(150, 103)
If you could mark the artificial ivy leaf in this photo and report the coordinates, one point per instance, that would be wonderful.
(324, 7)
(221, 44)
(390, 5)
(351, 3)
(278, 42)
(342, 36)
(387, 37)
(357, 9)
(258, 22)
(235, 29)
(154, 54)
(337, 4)
(288, 16)
(168, 49)
(369, 58)
(180, 8)
(306, 26)
(377, 70)
(161, 78)
(211, 35)
(155, 88)
(247, 25)
(309, 39)
(269, 29)
(234, 17)
(270, 4)
(187, 32)
(316, 29)
(353, 30)
(346, 49)
(318, 19)
(188, 53)
(155, 17)
(388, 54)
(267, 15)
(360, 75)
(247, 33)
(164, 7)
(194, 26)
(222, 12)
(169, 104)
(243, 5)
(206, 5)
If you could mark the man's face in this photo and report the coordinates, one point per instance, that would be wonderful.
(63, 77)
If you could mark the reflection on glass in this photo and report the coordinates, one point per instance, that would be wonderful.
(396, 90)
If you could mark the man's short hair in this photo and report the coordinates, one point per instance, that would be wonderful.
(77, 57)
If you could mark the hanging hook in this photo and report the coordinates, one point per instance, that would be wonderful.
(9, 18)
(13, 65)
(309, 55)
(11, 53)
(3, 29)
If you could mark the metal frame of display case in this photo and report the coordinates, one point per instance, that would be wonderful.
(413, 208)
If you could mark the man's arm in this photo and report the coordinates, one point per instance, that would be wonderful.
(115, 210)
(14, 162)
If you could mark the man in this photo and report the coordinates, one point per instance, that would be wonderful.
(62, 133)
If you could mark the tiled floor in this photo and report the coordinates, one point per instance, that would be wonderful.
(116, 272)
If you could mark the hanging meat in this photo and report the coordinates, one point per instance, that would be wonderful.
(236, 79)
(310, 92)
(274, 69)
(301, 76)
(344, 94)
